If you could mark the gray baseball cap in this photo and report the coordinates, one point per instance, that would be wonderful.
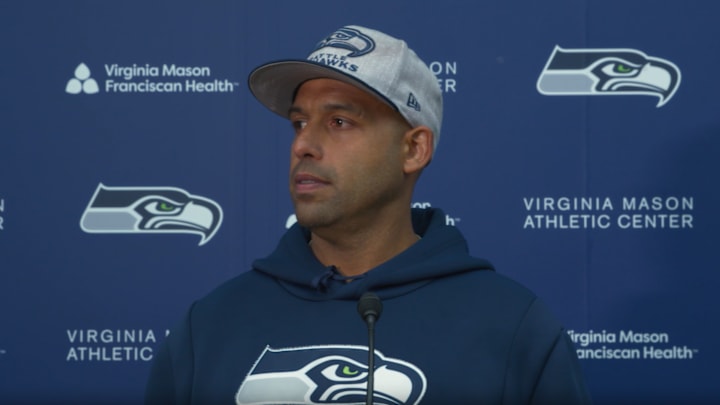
(371, 60)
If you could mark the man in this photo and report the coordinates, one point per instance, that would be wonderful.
(366, 112)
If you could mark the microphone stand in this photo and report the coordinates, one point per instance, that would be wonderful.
(371, 359)
(369, 308)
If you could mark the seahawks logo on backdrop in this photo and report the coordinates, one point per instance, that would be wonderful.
(150, 210)
(572, 72)
(351, 39)
(329, 375)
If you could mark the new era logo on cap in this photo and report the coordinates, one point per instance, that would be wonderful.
(413, 103)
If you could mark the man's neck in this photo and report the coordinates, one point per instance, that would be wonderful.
(354, 253)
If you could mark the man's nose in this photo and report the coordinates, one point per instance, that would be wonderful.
(308, 142)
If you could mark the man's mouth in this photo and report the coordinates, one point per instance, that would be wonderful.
(307, 183)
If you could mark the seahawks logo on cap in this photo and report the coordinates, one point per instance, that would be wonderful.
(150, 210)
(348, 38)
(329, 375)
(608, 72)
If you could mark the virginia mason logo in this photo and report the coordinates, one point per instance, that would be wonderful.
(148, 78)
(576, 72)
(151, 210)
(82, 82)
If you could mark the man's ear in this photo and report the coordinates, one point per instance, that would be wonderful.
(419, 148)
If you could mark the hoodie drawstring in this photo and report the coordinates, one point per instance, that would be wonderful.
(322, 281)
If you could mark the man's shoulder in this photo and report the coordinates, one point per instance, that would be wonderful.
(241, 289)
(489, 283)
(488, 292)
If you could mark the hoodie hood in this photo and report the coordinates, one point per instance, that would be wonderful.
(441, 252)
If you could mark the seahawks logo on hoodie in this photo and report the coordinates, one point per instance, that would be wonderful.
(329, 375)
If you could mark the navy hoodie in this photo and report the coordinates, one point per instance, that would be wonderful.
(452, 331)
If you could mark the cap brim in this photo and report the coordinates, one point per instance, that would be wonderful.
(274, 84)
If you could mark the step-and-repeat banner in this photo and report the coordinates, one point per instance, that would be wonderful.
(580, 154)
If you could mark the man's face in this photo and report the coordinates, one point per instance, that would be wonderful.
(346, 164)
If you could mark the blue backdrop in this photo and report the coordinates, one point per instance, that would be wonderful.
(601, 196)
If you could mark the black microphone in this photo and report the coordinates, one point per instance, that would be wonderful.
(369, 307)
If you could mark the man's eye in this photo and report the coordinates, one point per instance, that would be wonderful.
(298, 124)
(339, 122)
